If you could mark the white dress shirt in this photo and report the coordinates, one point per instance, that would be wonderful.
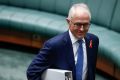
(75, 46)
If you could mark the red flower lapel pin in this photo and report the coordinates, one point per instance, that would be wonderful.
(90, 45)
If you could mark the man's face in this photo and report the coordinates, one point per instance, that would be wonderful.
(79, 24)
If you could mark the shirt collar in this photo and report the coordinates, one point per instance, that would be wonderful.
(73, 38)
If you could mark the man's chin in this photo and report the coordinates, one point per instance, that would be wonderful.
(80, 37)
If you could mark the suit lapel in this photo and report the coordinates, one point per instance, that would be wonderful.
(69, 50)
(88, 49)
(87, 39)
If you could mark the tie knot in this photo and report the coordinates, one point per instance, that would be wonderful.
(80, 41)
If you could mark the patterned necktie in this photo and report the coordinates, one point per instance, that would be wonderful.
(79, 64)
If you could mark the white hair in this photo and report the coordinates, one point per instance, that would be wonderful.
(79, 5)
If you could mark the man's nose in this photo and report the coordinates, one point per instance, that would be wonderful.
(81, 28)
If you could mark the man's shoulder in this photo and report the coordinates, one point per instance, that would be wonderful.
(92, 36)
(57, 39)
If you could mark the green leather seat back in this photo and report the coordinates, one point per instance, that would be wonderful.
(101, 11)
(62, 6)
(18, 3)
(33, 4)
(3, 1)
(46, 5)
(78, 1)
(56, 6)
(23, 3)
(115, 24)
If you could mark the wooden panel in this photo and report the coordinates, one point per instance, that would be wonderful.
(117, 73)
(105, 66)
(16, 40)
(21, 38)
(38, 41)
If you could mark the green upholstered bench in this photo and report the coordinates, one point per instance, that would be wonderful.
(47, 18)
(33, 21)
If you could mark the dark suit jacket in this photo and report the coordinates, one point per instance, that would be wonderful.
(57, 53)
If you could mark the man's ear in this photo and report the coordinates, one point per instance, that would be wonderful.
(68, 21)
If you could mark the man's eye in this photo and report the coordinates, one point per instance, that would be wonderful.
(78, 24)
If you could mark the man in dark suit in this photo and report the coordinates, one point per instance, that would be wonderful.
(61, 52)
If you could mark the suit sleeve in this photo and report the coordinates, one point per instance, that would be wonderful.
(39, 63)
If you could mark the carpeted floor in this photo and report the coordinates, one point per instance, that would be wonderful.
(13, 65)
